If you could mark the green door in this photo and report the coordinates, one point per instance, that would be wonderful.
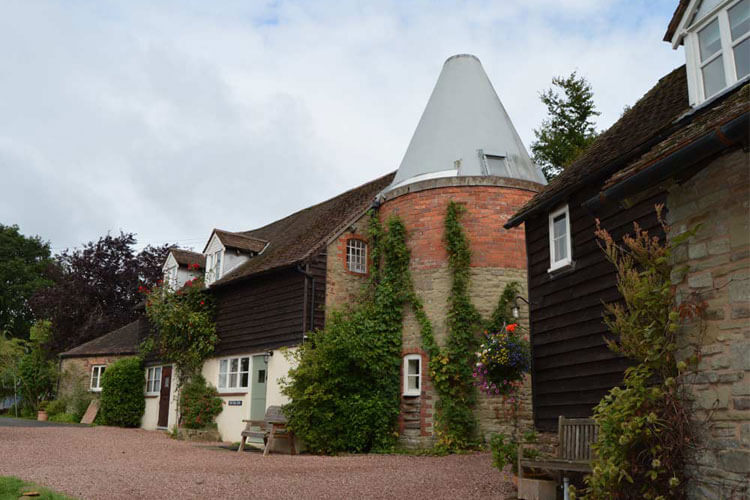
(258, 394)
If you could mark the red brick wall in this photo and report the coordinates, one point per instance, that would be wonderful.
(489, 207)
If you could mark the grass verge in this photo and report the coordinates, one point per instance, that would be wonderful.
(13, 488)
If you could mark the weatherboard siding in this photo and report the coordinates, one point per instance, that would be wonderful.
(573, 368)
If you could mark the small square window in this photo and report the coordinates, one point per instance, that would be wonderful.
(356, 256)
(559, 238)
(412, 375)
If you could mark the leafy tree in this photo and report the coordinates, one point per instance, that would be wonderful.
(23, 262)
(11, 352)
(36, 371)
(96, 288)
(568, 129)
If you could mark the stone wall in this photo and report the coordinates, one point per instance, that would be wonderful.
(498, 257)
(75, 373)
(718, 198)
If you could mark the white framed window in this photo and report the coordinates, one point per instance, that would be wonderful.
(170, 277)
(153, 380)
(356, 255)
(559, 239)
(214, 266)
(234, 373)
(96, 377)
(412, 375)
(717, 46)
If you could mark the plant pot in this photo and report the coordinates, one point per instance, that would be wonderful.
(41, 415)
(537, 489)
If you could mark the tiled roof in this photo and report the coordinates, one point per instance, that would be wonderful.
(123, 341)
(648, 122)
(240, 241)
(734, 105)
(303, 234)
(187, 258)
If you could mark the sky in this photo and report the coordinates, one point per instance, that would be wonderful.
(170, 118)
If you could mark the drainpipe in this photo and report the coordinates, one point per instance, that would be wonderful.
(732, 133)
(311, 279)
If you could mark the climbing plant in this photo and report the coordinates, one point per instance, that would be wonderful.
(344, 388)
(645, 429)
(183, 323)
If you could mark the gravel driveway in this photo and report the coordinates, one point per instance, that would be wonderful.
(108, 462)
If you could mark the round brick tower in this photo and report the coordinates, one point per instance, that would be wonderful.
(464, 149)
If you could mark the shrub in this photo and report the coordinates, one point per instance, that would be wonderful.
(200, 403)
(57, 407)
(505, 450)
(66, 418)
(122, 400)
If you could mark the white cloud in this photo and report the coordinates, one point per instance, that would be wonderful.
(169, 119)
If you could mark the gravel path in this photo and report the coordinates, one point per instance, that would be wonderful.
(107, 462)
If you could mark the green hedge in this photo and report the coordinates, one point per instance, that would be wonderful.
(123, 402)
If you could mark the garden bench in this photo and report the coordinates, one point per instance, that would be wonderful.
(271, 427)
(574, 452)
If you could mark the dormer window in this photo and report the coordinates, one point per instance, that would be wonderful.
(356, 256)
(214, 266)
(717, 46)
(170, 277)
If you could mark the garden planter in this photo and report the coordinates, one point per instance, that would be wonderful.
(41, 415)
(536, 488)
(210, 435)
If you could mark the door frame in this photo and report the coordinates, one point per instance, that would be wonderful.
(165, 396)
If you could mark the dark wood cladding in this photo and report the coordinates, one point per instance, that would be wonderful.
(573, 368)
(270, 310)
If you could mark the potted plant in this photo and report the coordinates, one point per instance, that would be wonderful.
(502, 361)
(41, 414)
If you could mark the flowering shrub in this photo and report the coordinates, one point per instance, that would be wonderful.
(502, 361)
(200, 404)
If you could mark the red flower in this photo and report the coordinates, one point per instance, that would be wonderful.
(203, 303)
(511, 328)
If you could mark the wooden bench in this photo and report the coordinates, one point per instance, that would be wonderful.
(574, 452)
(272, 426)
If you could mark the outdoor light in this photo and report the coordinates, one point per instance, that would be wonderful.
(266, 356)
(516, 310)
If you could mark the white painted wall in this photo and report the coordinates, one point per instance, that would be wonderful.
(151, 413)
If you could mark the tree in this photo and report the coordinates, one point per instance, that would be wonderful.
(568, 129)
(23, 264)
(96, 288)
(36, 371)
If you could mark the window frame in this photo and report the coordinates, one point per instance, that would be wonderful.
(693, 57)
(99, 369)
(555, 264)
(151, 382)
(238, 387)
(406, 390)
(364, 253)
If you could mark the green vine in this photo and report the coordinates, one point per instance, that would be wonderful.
(185, 332)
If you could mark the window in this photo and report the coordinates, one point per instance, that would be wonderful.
(717, 45)
(213, 266)
(234, 373)
(153, 380)
(412, 375)
(170, 277)
(356, 256)
(559, 238)
(96, 377)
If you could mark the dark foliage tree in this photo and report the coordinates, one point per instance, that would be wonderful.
(96, 288)
(569, 128)
(23, 265)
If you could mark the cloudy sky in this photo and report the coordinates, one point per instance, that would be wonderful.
(169, 118)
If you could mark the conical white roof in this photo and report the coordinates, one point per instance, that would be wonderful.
(465, 131)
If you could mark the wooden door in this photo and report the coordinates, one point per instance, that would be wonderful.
(166, 381)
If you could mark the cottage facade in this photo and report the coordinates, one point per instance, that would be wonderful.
(684, 145)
